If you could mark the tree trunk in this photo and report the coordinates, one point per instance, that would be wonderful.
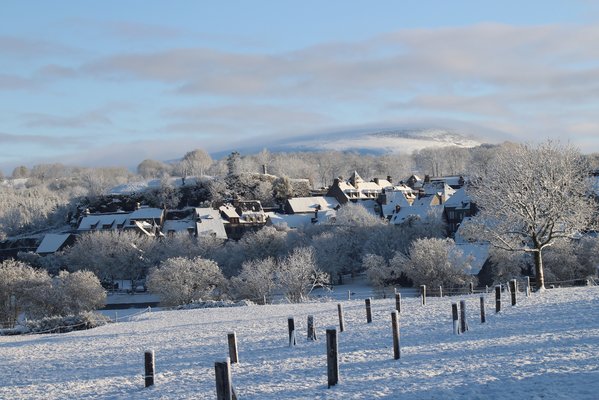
(540, 275)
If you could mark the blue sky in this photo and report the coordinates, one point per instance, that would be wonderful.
(115, 82)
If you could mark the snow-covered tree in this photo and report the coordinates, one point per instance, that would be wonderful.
(533, 196)
(380, 272)
(182, 280)
(257, 279)
(297, 274)
(436, 262)
(194, 163)
(19, 284)
(68, 294)
(153, 169)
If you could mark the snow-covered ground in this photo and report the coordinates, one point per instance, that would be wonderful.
(545, 347)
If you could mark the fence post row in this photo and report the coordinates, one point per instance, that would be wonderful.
(463, 322)
(149, 367)
(395, 330)
(341, 319)
(454, 317)
(233, 354)
(332, 358)
(497, 298)
(513, 289)
(368, 311)
(291, 328)
(423, 294)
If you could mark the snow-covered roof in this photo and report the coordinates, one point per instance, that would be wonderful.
(146, 213)
(309, 204)
(181, 225)
(438, 187)
(214, 227)
(229, 211)
(421, 208)
(394, 198)
(295, 221)
(209, 221)
(460, 199)
(479, 253)
(52, 242)
(103, 221)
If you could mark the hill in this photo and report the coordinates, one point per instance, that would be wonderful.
(545, 347)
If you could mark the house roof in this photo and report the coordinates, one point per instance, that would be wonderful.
(460, 199)
(479, 253)
(438, 187)
(98, 221)
(52, 242)
(229, 211)
(181, 225)
(394, 198)
(421, 208)
(295, 221)
(147, 213)
(209, 221)
(309, 204)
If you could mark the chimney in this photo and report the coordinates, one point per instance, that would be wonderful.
(389, 179)
(137, 205)
(377, 180)
(336, 182)
(264, 169)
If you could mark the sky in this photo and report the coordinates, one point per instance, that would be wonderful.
(112, 83)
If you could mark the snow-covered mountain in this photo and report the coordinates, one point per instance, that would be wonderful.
(373, 141)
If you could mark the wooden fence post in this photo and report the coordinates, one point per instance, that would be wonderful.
(464, 322)
(398, 302)
(528, 286)
(513, 290)
(349, 294)
(341, 319)
(311, 328)
(224, 386)
(471, 287)
(291, 328)
(149, 367)
(423, 294)
(440, 291)
(483, 318)
(395, 330)
(232, 340)
(497, 298)
(368, 311)
(332, 358)
(454, 317)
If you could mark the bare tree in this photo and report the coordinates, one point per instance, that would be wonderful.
(533, 196)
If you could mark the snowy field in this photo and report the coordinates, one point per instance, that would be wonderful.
(546, 347)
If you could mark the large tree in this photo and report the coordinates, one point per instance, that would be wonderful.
(531, 196)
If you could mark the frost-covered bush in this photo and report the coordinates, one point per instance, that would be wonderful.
(20, 286)
(437, 262)
(69, 323)
(182, 280)
(24, 289)
(381, 273)
(69, 294)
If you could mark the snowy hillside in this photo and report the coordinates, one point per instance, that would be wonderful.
(545, 347)
(375, 141)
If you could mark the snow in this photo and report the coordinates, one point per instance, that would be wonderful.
(545, 347)
(309, 204)
(51, 242)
